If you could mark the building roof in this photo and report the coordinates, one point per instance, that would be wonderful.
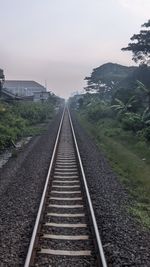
(9, 94)
(23, 84)
(47, 92)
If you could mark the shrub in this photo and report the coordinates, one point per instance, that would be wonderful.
(132, 121)
(17, 119)
(98, 111)
(33, 112)
(5, 141)
(146, 133)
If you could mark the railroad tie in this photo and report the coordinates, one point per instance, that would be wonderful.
(67, 225)
(66, 237)
(65, 192)
(67, 215)
(66, 198)
(65, 252)
(65, 182)
(65, 206)
(66, 186)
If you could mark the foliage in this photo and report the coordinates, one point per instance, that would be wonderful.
(140, 45)
(106, 78)
(128, 156)
(109, 74)
(33, 112)
(146, 133)
(97, 111)
(121, 107)
(17, 120)
(116, 108)
(132, 121)
(146, 90)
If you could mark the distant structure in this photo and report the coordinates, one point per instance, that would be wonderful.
(26, 89)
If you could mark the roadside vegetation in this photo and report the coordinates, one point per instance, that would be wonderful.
(127, 150)
(115, 110)
(20, 119)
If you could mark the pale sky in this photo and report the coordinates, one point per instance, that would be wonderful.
(61, 41)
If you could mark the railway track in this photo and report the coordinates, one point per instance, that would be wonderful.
(65, 232)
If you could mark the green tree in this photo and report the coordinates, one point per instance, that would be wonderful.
(140, 45)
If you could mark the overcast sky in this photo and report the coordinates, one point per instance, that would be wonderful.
(61, 41)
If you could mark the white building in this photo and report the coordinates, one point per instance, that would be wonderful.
(27, 89)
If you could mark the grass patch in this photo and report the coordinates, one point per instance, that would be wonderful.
(130, 159)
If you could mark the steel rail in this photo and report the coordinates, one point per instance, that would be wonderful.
(33, 238)
(97, 235)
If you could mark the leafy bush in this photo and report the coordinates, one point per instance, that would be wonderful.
(16, 119)
(147, 133)
(33, 112)
(132, 121)
(98, 111)
(5, 141)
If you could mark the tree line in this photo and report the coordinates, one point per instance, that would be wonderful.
(121, 92)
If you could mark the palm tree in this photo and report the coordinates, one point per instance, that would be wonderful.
(122, 107)
(145, 117)
(142, 87)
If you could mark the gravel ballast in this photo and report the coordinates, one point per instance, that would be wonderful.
(125, 241)
(21, 185)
